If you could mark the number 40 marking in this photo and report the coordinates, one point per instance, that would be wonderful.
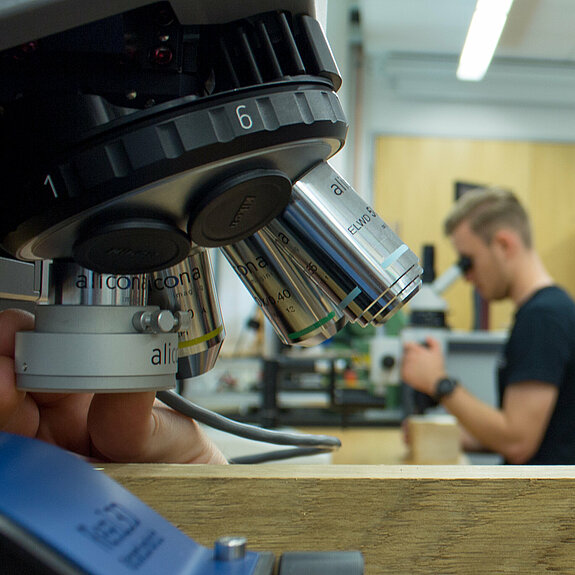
(48, 182)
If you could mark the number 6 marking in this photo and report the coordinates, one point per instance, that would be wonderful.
(48, 182)
(245, 119)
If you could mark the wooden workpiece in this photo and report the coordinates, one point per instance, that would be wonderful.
(404, 518)
(434, 440)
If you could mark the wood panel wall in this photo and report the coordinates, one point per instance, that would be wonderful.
(414, 187)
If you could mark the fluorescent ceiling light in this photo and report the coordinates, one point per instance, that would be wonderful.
(482, 38)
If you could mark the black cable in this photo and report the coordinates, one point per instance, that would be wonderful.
(217, 421)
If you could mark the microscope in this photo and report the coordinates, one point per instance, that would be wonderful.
(137, 137)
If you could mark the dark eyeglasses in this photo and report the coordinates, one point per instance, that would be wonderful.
(465, 263)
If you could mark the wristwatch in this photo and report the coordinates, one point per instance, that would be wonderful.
(444, 388)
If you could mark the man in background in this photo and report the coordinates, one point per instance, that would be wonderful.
(535, 420)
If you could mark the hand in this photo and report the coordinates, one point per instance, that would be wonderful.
(120, 427)
(423, 365)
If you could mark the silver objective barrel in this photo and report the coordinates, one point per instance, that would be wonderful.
(189, 287)
(345, 247)
(95, 336)
(298, 311)
(72, 284)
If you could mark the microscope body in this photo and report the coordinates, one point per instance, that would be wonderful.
(139, 136)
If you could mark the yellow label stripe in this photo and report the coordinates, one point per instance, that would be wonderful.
(201, 339)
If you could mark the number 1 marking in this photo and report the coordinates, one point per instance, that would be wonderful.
(48, 182)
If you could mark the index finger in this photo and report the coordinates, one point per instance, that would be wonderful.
(11, 321)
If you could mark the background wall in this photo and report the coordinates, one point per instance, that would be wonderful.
(414, 184)
(418, 130)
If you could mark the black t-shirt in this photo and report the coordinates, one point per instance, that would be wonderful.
(541, 347)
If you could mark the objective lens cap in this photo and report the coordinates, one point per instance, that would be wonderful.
(239, 207)
(131, 246)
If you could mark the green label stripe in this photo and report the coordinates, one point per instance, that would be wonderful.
(201, 339)
(311, 327)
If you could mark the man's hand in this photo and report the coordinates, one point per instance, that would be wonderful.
(121, 427)
(423, 365)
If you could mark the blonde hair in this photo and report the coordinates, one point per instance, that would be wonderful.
(488, 210)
